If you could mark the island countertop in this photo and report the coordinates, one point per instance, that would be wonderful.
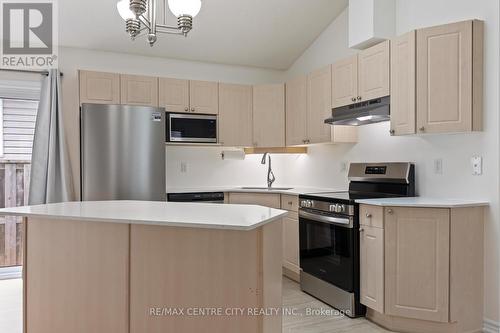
(173, 214)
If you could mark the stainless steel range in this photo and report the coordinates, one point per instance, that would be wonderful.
(329, 232)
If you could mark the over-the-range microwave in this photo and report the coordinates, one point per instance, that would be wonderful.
(197, 128)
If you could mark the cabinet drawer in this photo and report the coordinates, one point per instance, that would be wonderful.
(372, 216)
(268, 200)
(290, 202)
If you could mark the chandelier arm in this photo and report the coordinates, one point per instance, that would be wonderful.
(167, 27)
(152, 16)
(144, 21)
(169, 31)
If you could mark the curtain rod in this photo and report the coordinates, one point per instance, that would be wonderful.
(27, 71)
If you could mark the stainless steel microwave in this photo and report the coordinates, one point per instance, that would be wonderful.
(198, 128)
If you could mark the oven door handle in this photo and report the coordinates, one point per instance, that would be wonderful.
(344, 222)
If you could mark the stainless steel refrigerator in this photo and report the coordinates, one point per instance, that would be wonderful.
(122, 152)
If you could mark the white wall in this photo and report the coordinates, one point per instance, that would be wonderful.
(71, 60)
(321, 167)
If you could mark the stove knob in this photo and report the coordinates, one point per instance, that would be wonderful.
(331, 208)
(342, 208)
(310, 204)
(337, 208)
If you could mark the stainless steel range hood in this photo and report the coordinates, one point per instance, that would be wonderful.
(369, 112)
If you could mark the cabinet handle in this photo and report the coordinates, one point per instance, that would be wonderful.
(192, 109)
(368, 215)
(353, 99)
(186, 109)
(421, 129)
(255, 144)
(392, 132)
(359, 98)
(389, 211)
(290, 203)
(361, 229)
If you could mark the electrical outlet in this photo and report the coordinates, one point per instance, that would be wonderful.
(184, 167)
(438, 166)
(477, 165)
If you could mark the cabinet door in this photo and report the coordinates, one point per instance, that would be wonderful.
(372, 267)
(417, 263)
(235, 115)
(204, 97)
(345, 81)
(174, 95)
(403, 82)
(444, 78)
(319, 104)
(100, 88)
(139, 90)
(373, 71)
(272, 200)
(296, 111)
(269, 115)
(291, 245)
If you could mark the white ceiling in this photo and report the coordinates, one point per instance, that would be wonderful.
(260, 33)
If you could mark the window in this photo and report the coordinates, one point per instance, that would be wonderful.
(18, 128)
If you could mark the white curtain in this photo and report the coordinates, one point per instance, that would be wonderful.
(51, 180)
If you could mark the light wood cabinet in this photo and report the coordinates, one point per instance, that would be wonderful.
(235, 115)
(417, 263)
(296, 111)
(403, 84)
(373, 72)
(174, 94)
(98, 87)
(139, 90)
(430, 262)
(345, 81)
(449, 77)
(291, 267)
(290, 202)
(319, 104)
(204, 97)
(269, 115)
(272, 200)
(362, 77)
(372, 267)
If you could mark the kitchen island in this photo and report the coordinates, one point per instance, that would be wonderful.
(139, 266)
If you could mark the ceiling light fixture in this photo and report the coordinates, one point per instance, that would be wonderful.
(140, 17)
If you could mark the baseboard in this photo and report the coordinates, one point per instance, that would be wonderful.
(15, 272)
(491, 326)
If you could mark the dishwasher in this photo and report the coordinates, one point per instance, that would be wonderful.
(202, 197)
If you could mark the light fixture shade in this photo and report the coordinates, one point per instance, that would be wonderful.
(124, 10)
(184, 7)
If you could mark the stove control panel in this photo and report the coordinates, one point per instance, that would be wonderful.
(307, 203)
(327, 207)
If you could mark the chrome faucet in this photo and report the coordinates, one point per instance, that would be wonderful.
(270, 173)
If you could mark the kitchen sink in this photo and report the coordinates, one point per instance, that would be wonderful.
(266, 188)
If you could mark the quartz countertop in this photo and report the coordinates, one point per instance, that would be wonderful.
(294, 190)
(423, 202)
(170, 214)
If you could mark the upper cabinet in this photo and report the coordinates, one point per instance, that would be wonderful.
(98, 87)
(139, 90)
(177, 95)
(296, 111)
(449, 77)
(174, 94)
(437, 79)
(319, 104)
(269, 115)
(204, 97)
(361, 77)
(403, 82)
(235, 115)
(345, 81)
(373, 72)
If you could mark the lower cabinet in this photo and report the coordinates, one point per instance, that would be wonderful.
(422, 268)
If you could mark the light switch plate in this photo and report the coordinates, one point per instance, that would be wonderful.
(438, 166)
(477, 165)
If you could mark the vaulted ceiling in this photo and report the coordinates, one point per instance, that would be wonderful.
(260, 33)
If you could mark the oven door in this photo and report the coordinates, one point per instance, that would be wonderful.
(327, 247)
(197, 128)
